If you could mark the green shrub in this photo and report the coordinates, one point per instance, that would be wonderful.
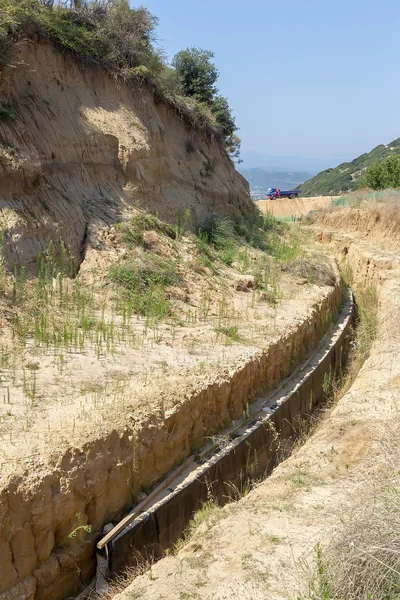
(383, 174)
(257, 228)
(228, 255)
(133, 230)
(219, 231)
(198, 75)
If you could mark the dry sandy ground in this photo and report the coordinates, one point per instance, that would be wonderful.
(51, 398)
(294, 207)
(263, 547)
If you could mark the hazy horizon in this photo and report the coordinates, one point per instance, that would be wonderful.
(313, 80)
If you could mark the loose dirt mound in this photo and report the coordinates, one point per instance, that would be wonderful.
(294, 207)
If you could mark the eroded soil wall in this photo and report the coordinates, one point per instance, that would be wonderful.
(85, 150)
(99, 481)
(253, 456)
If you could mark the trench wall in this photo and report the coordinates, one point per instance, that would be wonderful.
(254, 455)
(100, 480)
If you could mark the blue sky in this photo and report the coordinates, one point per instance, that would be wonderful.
(314, 78)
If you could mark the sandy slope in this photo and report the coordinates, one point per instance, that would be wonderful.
(85, 150)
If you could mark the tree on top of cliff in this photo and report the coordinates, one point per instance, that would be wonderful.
(198, 75)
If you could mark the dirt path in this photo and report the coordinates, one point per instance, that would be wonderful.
(262, 547)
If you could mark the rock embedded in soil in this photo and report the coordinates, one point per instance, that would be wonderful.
(245, 284)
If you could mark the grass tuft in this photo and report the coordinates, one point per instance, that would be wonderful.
(144, 282)
(133, 231)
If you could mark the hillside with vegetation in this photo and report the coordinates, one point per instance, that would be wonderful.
(348, 176)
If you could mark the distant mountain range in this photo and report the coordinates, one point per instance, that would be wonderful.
(344, 177)
(261, 180)
(267, 162)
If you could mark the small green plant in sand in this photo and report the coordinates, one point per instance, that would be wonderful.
(78, 531)
(231, 331)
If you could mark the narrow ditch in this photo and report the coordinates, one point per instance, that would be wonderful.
(246, 451)
(97, 482)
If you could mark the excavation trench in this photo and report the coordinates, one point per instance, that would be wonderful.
(99, 481)
(242, 453)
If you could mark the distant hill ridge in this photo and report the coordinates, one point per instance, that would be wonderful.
(260, 178)
(345, 176)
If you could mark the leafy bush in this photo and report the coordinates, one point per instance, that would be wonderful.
(383, 174)
(254, 228)
(8, 27)
(169, 81)
(219, 232)
(198, 76)
(197, 73)
(223, 114)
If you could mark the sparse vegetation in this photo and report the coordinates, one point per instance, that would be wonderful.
(365, 332)
(144, 284)
(133, 230)
(78, 530)
(209, 168)
(313, 269)
(363, 560)
(229, 331)
(205, 517)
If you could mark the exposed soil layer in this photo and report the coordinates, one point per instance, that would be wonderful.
(295, 207)
(264, 545)
(85, 150)
(99, 479)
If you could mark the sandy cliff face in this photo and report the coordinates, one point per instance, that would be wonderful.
(84, 150)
